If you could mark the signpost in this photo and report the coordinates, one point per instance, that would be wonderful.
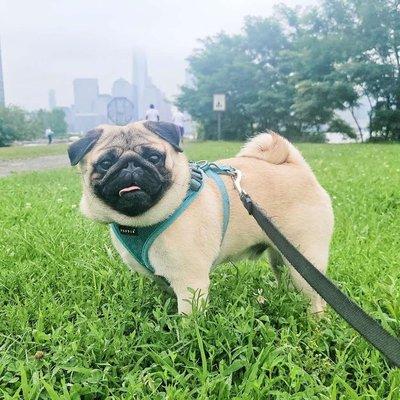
(219, 105)
(120, 110)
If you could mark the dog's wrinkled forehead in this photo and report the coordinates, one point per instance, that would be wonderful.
(130, 137)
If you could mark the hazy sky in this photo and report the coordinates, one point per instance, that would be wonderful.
(48, 43)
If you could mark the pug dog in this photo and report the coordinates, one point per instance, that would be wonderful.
(137, 175)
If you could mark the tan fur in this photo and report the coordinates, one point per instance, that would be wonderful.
(274, 174)
(272, 148)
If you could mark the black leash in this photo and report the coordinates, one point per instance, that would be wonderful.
(364, 324)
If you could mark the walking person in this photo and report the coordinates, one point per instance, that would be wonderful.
(179, 119)
(49, 134)
(152, 114)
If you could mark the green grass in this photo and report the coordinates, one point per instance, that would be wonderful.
(197, 150)
(107, 333)
(22, 152)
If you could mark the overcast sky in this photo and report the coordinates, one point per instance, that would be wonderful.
(48, 43)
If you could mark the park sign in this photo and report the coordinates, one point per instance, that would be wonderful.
(219, 105)
(219, 102)
(120, 110)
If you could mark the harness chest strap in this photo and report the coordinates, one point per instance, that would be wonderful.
(139, 240)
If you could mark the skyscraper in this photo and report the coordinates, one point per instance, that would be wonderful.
(139, 79)
(122, 88)
(153, 95)
(100, 107)
(85, 94)
(2, 100)
(52, 99)
(147, 92)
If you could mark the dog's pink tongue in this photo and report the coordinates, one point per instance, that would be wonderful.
(128, 189)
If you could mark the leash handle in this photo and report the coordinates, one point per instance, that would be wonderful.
(351, 312)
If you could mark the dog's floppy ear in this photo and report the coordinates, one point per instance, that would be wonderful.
(167, 131)
(81, 147)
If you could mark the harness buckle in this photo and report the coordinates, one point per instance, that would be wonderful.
(234, 173)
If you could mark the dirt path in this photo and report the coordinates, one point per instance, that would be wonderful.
(7, 167)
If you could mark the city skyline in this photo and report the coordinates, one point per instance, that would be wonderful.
(90, 105)
(72, 39)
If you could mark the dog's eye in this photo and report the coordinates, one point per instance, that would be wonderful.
(154, 158)
(105, 165)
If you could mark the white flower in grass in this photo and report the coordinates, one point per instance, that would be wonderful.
(59, 200)
(109, 252)
(28, 205)
(259, 296)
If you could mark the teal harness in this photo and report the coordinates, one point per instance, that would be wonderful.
(138, 240)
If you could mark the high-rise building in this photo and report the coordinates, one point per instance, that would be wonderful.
(147, 92)
(84, 115)
(2, 99)
(139, 79)
(122, 88)
(153, 95)
(100, 107)
(52, 99)
(85, 94)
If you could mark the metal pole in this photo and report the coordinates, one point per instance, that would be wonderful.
(219, 124)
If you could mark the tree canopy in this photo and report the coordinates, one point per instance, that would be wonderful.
(19, 124)
(294, 71)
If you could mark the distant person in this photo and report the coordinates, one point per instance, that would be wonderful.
(152, 114)
(179, 119)
(49, 134)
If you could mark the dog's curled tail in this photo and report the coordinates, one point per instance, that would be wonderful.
(272, 148)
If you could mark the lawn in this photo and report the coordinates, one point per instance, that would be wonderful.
(21, 152)
(75, 323)
(199, 151)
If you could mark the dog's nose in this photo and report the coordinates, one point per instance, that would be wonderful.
(132, 169)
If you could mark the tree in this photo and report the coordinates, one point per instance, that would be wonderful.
(366, 58)
(19, 124)
(379, 64)
(221, 66)
(247, 69)
(54, 119)
(57, 122)
(15, 124)
(293, 72)
(269, 47)
(322, 45)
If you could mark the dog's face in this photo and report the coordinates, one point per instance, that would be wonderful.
(132, 178)
(127, 170)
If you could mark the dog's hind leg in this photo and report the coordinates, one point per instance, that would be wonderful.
(317, 253)
(276, 262)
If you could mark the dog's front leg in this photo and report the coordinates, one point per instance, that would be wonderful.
(191, 291)
(184, 256)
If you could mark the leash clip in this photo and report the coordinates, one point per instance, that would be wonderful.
(237, 178)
